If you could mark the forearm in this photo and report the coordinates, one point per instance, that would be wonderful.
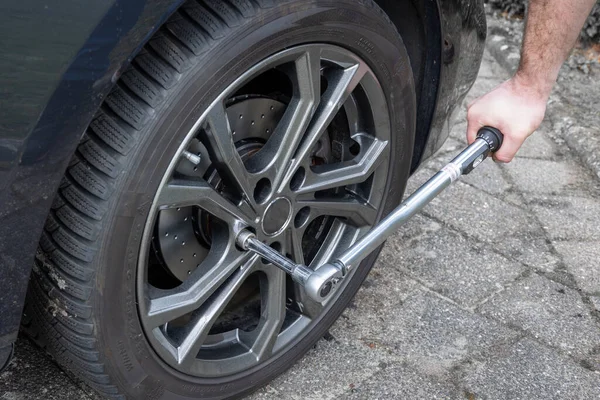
(517, 106)
(551, 31)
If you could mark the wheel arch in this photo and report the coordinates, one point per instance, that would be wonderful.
(418, 22)
(445, 41)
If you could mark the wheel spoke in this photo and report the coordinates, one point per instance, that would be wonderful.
(262, 339)
(191, 294)
(273, 159)
(341, 83)
(308, 76)
(183, 193)
(355, 210)
(208, 313)
(218, 139)
(346, 173)
(294, 241)
(309, 307)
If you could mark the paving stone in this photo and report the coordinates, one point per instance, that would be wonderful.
(514, 198)
(479, 214)
(384, 288)
(418, 227)
(582, 260)
(544, 176)
(459, 130)
(490, 68)
(442, 159)
(505, 52)
(592, 362)
(539, 145)
(398, 381)
(585, 142)
(458, 269)
(531, 249)
(428, 169)
(484, 86)
(549, 311)
(33, 375)
(531, 371)
(567, 217)
(266, 392)
(328, 371)
(452, 146)
(487, 176)
(433, 335)
(417, 179)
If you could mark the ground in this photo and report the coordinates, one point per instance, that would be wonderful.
(492, 292)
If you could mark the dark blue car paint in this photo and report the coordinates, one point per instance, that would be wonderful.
(58, 60)
(54, 79)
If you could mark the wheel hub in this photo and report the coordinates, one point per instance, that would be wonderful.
(277, 216)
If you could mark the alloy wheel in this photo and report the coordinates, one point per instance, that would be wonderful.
(297, 150)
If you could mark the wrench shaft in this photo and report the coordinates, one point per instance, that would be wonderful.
(412, 205)
(321, 282)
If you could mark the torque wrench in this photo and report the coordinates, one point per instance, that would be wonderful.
(321, 282)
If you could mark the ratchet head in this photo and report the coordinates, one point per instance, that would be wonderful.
(323, 281)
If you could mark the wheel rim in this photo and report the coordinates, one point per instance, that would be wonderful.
(307, 175)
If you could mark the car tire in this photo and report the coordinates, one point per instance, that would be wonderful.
(82, 303)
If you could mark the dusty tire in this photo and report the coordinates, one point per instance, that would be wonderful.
(82, 297)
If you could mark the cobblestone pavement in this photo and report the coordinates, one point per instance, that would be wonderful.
(493, 292)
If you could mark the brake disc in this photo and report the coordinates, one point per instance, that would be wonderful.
(183, 234)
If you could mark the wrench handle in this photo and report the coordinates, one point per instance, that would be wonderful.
(492, 136)
(488, 141)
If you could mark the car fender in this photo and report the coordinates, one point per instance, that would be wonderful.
(58, 61)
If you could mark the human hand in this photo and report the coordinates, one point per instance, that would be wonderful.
(515, 108)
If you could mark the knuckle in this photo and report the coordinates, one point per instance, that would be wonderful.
(503, 158)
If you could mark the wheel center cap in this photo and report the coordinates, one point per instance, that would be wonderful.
(277, 216)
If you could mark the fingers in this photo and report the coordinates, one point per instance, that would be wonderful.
(515, 112)
(477, 120)
(510, 146)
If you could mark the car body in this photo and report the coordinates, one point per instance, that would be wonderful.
(59, 60)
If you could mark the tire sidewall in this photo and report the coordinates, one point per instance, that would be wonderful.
(356, 26)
